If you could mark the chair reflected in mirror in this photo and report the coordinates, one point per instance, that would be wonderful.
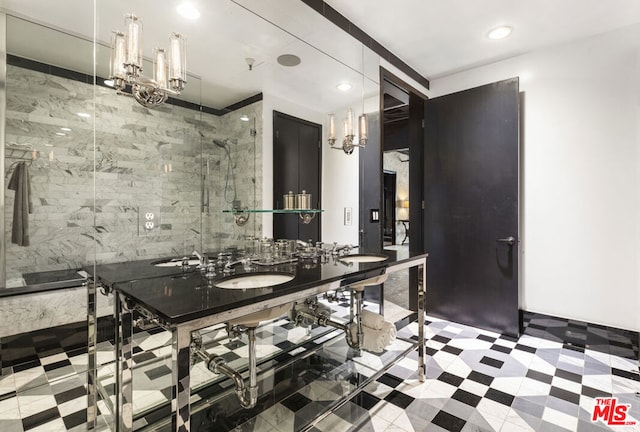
(403, 217)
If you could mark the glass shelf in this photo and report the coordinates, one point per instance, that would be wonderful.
(272, 211)
(242, 216)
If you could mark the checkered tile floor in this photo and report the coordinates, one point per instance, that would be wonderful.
(476, 381)
(481, 381)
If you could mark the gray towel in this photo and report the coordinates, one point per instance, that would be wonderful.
(22, 206)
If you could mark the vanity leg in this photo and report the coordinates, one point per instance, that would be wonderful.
(421, 299)
(124, 366)
(181, 391)
(351, 314)
(92, 372)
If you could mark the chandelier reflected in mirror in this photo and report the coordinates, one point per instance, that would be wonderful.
(348, 141)
(169, 68)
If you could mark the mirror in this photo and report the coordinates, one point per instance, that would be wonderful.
(161, 177)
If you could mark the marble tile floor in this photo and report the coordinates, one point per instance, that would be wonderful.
(476, 381)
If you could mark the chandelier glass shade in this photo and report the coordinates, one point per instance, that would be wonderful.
(348, 142)
(169, 67)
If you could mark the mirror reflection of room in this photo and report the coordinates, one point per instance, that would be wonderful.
(395, 165)
(217, 215)
(395, 192)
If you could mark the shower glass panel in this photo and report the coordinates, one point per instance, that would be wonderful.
(232, 178)
(49, 141)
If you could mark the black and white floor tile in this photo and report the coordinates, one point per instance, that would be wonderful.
(481, 381)
(545, 380)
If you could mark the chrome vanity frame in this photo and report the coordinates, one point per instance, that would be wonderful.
(181, 340)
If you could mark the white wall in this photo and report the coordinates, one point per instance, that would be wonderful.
(341, 180)
(340, 183)
(580, 203)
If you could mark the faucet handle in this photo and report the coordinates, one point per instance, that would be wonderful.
(228, 269)
(211, 272)
(203, 266)
(185, 263)
(334, 249)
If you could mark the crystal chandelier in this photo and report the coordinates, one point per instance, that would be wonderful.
(169, 68)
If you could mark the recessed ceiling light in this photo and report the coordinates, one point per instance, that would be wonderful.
(66, 129)
(188, 10)
(289, 60)
(109, 82)
(499, 32)
(84, 115)
(345, 86)
(244, 117)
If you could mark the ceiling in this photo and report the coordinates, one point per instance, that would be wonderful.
(441, 37)
(436, 38)
(218, 44)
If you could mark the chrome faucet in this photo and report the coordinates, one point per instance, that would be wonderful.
(337, 249)
(199, 256)
(185, 264)
(304, 244)
(228, 267)
(205, 266)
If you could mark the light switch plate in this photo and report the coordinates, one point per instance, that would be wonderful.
(374, 215)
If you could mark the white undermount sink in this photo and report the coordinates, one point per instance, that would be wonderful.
(363, 258)
(257, 280)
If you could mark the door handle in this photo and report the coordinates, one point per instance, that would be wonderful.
(511, 240)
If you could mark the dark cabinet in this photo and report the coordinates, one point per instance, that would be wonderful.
(296, 167)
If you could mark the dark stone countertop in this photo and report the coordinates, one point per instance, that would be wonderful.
(47, 281)
(177, 297)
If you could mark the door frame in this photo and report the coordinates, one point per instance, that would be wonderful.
(416, 178)
(416, 169)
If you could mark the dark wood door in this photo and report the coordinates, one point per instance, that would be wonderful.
(296, 168)
(471, 164)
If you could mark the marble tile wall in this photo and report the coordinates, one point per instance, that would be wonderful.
(43, 310)
(219, 229)
(146, 161)
(39, 105)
